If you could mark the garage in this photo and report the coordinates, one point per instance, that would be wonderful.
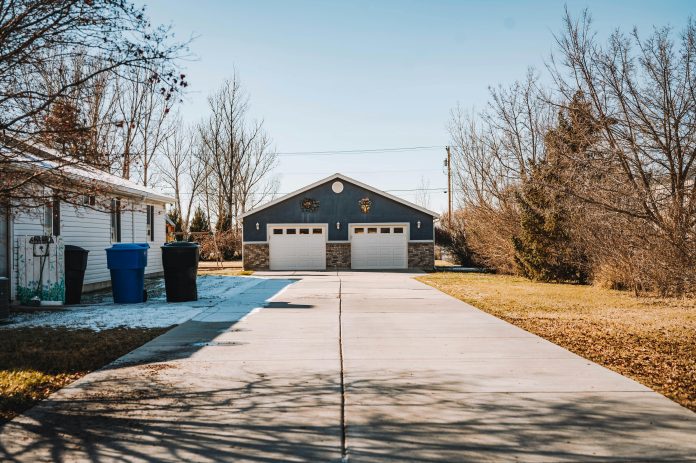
(297, 247)
(379, 246)
(338, 223)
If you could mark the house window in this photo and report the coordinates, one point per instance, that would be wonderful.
(317, 231)
(277, 231)
(48, 219)
(359, 230)
(304, 231)
(384, 230)
(88, 200)
(372, 230)
(291, 231)
(51, 219)
(115, 220)
(150, 222)
(398, 229)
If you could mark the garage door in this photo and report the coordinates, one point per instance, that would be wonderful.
(297, 247)
(379, 247)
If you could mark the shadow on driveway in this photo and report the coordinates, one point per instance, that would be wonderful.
(295, 417)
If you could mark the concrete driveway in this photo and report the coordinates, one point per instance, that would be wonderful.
(352, 366)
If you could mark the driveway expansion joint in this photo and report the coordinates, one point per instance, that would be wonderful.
(344, 450)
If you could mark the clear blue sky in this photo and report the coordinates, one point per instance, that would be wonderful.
(330, 75)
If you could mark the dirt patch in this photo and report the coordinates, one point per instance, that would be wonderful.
(648, 339)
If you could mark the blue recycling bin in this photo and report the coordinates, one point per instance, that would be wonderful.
(127, 262)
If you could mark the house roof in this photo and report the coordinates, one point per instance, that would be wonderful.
(338, 176)
(33, 158)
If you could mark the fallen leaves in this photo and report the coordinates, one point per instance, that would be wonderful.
(35, 362)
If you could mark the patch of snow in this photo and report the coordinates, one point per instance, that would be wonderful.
(225, 296)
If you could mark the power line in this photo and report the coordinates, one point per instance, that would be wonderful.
(359, 151)
(443, 189)
(421, 189)
(356, 172)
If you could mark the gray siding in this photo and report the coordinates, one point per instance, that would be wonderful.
(338, 207)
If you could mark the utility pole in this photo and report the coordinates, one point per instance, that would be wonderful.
(449, 188)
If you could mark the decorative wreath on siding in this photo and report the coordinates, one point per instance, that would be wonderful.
(309, 205)
(365, 205)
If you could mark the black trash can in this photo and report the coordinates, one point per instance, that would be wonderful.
(4, 298)
(180, 262)
(75, 266)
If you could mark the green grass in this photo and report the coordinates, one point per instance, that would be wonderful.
(34, 362)
(648, 339)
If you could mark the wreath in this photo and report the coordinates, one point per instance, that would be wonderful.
(365, 205)
(309, 205)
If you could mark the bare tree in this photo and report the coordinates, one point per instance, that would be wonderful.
(495, 149)
(180, 169)
(517, 120)
(642, 94)
(492, 152)
(254, 184)
(479, 179)
(423, 194)
(109, 37)
(143, 123)
(236, 152)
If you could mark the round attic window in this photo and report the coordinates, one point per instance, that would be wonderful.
(337, 187)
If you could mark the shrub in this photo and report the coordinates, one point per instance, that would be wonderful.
(226, 245)
(544, 248)
(453, 240)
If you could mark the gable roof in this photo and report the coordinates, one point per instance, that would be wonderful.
(338, 176)
(37, 156)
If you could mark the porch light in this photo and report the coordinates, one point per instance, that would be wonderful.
(338, 225)
(257, 225)
(417, 224)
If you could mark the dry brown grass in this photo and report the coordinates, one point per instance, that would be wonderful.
(233, 272)
(34, 362)
(649, 339)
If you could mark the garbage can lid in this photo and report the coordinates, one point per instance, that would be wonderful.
(126, 247)
(72, 247)
(180, 244)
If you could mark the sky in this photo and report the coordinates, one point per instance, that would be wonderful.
(372, 75)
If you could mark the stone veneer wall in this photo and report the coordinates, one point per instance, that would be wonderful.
(421, 255)
(337, 255)
(256, 256)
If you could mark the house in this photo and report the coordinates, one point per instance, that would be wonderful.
(338, 223)
(136, 214)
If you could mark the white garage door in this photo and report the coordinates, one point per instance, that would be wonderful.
(297, 247)
(379, 246)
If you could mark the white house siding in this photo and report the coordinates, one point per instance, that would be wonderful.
(137, 233)
(29, 222)
(91, 230)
